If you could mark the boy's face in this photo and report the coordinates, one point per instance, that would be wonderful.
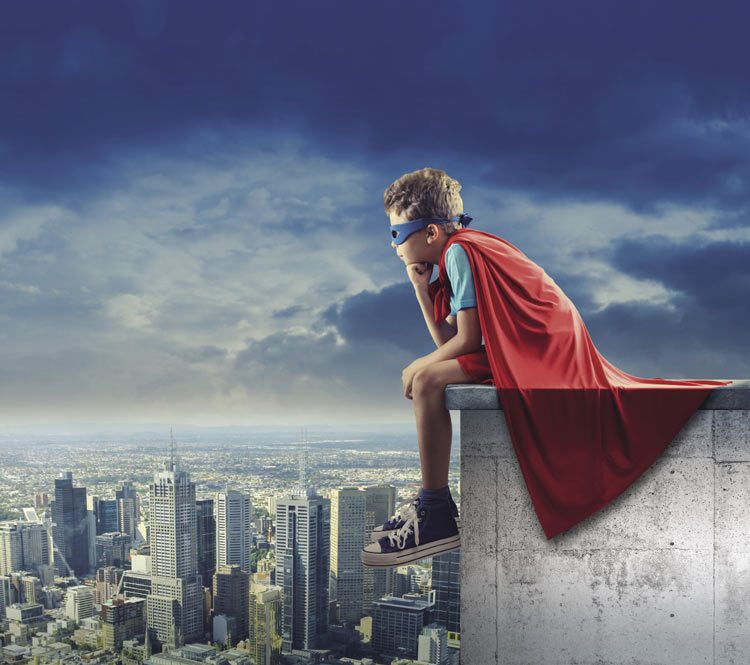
(417, 248)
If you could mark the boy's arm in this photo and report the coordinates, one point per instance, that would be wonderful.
(440, 331)
(468, 338)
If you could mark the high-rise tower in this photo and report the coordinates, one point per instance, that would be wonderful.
(206, 522)
(127, 509)
(302, 564)
(380, 504)
(347, 541)
(233, 512)
(174, 608)
(70, 530)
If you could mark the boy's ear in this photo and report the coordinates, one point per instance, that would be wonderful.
(432, 232)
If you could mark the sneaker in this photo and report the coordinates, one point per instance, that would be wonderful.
(397, 520)
(427, 531)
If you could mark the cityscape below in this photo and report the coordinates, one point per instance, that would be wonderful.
(233, 548)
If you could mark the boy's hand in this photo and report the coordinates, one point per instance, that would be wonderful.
(419, 274)
(407, 376)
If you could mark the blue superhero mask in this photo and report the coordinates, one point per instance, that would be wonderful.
(400, 232)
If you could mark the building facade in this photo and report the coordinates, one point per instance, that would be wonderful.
(302, 567)
(446, 582)
(346, 583)
(231, 598)
(206, 532)
(174, 607)
(233, 513)
(264, 629)
(122, 619)
(397, 624)
(70, 530)
(380, 504)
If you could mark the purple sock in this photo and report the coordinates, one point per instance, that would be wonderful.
(429, 497)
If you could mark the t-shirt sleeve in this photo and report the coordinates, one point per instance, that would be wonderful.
(462, 282)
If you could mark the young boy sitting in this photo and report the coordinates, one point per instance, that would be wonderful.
(582, 429)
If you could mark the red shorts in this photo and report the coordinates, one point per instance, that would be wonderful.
(476, 366)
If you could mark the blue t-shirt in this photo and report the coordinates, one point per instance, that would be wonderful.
(462, 282)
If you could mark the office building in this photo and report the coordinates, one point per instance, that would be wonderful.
(174, 608)
(231, 597)
(302, 567)
(79, 603)
(346, 584)
(113, 549)
(32, 590)
(106, 518)
(70, 531)
(7, 594)
(446, 582)
(264, 629)
(107, 583)
(380, 504)
(128, 510)
(397, 624)
(122, 619)
(206, 523)
(433, 645)
(233, 512)
(23, 546)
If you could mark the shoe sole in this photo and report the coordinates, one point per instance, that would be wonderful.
(394, 559)
(377, 535)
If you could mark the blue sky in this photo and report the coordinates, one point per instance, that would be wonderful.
(191, 217)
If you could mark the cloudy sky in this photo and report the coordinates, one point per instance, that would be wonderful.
(191, 216)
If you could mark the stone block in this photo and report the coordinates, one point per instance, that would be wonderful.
(613, 607)
(731, 435)
(478, 608)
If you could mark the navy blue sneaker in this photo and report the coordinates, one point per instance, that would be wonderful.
(404, 509)
(427, 531)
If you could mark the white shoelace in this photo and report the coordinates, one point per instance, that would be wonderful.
(398, 537)
(403, 509)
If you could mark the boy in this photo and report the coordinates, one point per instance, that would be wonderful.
(582, 429)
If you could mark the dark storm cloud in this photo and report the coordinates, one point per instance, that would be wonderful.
(391, 316)
(715, 275)
(635, 102)
(702, 331)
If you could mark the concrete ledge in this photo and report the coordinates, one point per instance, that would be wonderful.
(660, 576)
(459, 397)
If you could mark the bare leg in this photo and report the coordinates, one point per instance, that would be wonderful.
(433, 420)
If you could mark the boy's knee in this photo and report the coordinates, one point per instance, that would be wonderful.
(426, 381)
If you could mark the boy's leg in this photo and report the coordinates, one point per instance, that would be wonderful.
(434, 430)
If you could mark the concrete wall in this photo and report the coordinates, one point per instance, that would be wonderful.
(661, 575)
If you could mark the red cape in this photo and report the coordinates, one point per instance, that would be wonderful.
(583, 430)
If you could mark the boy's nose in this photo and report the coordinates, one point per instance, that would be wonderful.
(393, 244)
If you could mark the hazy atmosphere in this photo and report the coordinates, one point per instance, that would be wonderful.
(191, 195)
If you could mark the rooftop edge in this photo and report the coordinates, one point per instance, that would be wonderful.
(472, 397)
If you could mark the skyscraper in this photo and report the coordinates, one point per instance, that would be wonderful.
(347, 540)
(122, 618)
(206, 530)
(380, 504)
(70, 530)
(264, 640)
(302, 567)
(233, 512)
(231, 598)
(174, 608)
(397, 623)
(446, 582)
(127, 509)
(105, 514)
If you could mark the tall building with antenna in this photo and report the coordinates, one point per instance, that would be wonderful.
(302, 563)
(174, 608)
